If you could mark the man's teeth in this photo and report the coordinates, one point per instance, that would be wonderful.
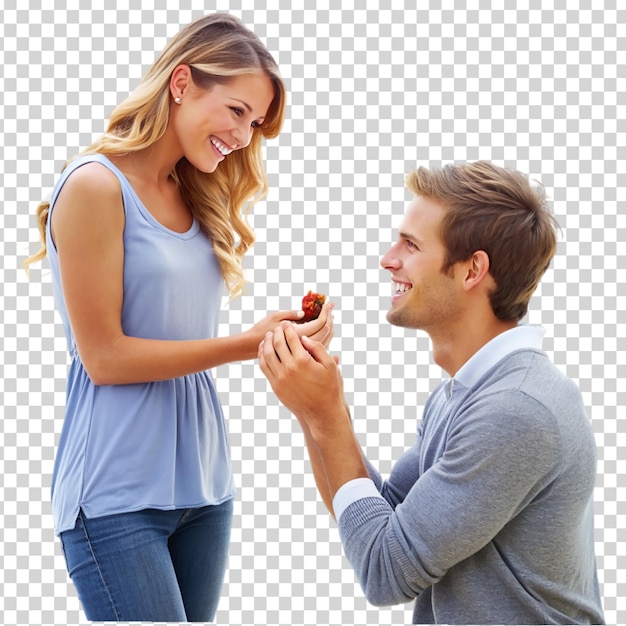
(221, 147)
(401, 287)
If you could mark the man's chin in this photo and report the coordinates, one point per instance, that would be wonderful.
(399, 317)
(396, 318)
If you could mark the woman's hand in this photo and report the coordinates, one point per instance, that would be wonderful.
(320, 329)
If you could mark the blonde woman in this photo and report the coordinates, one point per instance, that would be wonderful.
(142, 231)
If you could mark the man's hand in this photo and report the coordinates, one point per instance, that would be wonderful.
(304, 376)
(307, 381)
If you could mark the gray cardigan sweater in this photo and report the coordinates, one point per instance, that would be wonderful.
(488, 518)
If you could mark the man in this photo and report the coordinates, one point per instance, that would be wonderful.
(488, 518)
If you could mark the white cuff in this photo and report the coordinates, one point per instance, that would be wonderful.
(352, 491)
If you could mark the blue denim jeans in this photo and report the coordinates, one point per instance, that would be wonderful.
(151, 565)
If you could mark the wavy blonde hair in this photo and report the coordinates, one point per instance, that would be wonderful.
(217, 47)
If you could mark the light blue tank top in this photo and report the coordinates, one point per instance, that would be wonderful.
(164, 444)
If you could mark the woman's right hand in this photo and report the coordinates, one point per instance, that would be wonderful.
(320, 329)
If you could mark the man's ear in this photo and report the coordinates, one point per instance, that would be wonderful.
(180, 81)
(476, 270)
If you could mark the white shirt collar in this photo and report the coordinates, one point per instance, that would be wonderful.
(521, 337)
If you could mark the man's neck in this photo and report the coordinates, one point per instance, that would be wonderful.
(451, 350)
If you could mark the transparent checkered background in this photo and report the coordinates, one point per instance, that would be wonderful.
(538, 85)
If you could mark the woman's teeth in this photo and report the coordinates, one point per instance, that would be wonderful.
(220, 146)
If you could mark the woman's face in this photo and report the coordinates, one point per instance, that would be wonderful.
(210, 123)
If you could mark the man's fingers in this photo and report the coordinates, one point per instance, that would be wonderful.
(266, 355)
(318, 351)
(280, 343)
(291, 336)
(283, 352)
(300, 346)
(273, 353)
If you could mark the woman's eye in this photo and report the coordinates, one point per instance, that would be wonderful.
(237, 111)
(256, 125)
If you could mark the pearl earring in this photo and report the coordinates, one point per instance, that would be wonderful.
(177, 100)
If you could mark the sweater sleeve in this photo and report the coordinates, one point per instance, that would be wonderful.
(499, 453)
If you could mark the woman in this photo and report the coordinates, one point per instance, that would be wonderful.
(142, 231)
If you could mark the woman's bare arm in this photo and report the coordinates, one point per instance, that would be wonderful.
(87, 228)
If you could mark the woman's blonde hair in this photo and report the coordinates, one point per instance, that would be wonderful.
(217, 47)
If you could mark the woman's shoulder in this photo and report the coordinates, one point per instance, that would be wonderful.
(90, 173)
(88, 195)
(88, 183)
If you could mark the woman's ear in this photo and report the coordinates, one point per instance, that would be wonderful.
(180, 81)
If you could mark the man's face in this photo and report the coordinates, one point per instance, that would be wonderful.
(422, 295)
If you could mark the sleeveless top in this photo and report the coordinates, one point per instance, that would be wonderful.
(163, 444)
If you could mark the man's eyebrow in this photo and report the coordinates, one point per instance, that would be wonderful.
(404, 235)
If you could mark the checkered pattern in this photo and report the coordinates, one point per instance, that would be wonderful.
(534, 85)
